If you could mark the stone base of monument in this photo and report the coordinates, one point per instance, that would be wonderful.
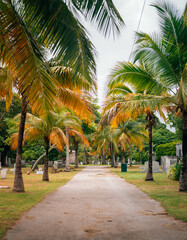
(155, 167)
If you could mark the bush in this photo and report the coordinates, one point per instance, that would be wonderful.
(174, 172)
(167, 149)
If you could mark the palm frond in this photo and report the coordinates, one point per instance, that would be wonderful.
(58, 138)
(23, 55)
(103, 13)
(61, 32)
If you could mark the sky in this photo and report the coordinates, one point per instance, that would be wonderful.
(111, 50)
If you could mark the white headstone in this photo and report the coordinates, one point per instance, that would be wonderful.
(179, 149)
(3, 173)
(39, 172)
(55, 165)
(155, 166)
(167, 161)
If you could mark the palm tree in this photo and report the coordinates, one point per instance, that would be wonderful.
(71, 124)
(124, 103)
(51, 133)
(105, 141)
(131, 132)
(65, 37)
(160, 71)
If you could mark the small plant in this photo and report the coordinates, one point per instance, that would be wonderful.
(174, 172)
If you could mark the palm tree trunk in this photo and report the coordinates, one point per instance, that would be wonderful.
(141, 158)
(76, 144)
(183, 174)
(112, 155)
(130, 156)
(149, 175)
(45, 172)
(41, 157)
(115, 161)
(123, 161)
(67, 168)
(18, 180)
(85, 156)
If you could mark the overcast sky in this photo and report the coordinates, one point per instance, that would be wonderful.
(111, 51)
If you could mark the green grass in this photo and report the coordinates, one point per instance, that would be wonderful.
(161, 189)
(13, 205)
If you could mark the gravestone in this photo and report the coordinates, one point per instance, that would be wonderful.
(72, 157)
(23, 163)
(155, 166)
(9, 162)
(95, 160)
(59, 163)
(55, 165)
(40, 171)
(0, 166)
(50, 163)
(3, 173)
(167, 161)
(179, 150)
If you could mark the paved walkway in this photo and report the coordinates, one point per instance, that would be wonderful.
(97, 205)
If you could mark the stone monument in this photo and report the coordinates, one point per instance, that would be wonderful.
(167, 161)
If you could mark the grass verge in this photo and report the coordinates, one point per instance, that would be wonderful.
(161, 189)
(13, 205)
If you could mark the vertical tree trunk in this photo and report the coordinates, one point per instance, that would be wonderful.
(18, 180)
(183, 174)
(115, 161)
(45, 171)
(141, 158)
(104, 158)
(76, 145)
(85, 156)
(123, 161)
(130, 156)
(67, 167)
(149, 175)
(112, 155)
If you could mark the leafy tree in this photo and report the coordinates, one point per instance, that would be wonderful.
(167, 149)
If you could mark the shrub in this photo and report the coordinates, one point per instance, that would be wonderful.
(167, 149)
(174, 172)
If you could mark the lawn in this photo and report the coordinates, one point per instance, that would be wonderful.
(161, 189)
(13, 205)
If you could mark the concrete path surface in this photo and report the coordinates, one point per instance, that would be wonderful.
(97, 205)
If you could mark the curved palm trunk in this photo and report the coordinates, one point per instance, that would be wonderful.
(40, 158)
(45, 173)
(76, 145)
(18, 180)
(183, 174)
(67, 168)
(149, 175)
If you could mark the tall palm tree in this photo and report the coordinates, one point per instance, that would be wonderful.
(64, 36)
(124, 103)
(160, 70)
